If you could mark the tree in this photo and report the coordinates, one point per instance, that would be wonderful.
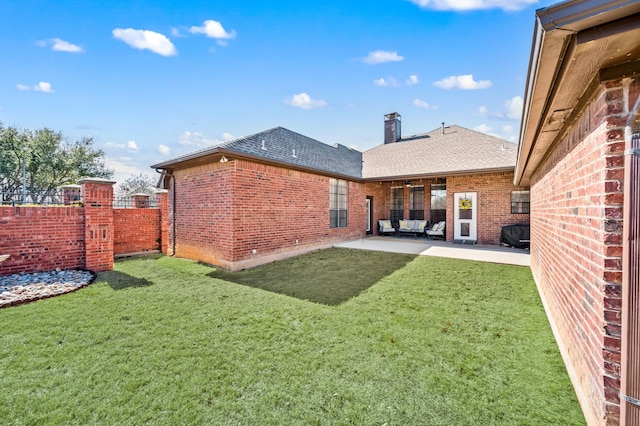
(48, 160)
(137, 184)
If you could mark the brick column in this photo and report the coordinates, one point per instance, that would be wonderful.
(71, 194)
(140, 201)
(162, 196)
(98, 223)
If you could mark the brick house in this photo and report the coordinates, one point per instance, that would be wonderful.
(579, 154)
(277, 193)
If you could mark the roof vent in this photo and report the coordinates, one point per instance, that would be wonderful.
(293, 154)
(264, 147)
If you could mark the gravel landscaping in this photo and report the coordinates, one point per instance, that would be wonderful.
(21, 288)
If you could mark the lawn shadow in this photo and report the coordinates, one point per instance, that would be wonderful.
(329, 277)
(119, 280)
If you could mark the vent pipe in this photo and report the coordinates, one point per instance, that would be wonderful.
(443, 127)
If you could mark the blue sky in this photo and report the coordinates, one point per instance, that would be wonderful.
(151, 80)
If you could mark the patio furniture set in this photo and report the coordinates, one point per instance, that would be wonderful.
(413, 227)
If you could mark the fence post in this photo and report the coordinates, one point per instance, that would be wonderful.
(70, 194)
(140, 201)
(98, 223)
(163, 204)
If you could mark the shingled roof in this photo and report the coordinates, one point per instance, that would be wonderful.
(457, 151)
(282, 146)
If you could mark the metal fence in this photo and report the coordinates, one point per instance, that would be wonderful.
(59, 196)
(136, 202)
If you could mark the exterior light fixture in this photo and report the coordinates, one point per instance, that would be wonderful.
(407, 183)
(224, 159)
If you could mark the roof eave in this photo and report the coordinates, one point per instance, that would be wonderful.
(556, 32)
(199, 158)
(439, 174)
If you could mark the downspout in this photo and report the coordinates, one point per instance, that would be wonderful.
(630, 360)
(173, 208)
(173, 215)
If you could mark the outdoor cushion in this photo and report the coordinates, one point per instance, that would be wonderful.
(420, 224)
(404, 224)
(385, 223)
(435, 226)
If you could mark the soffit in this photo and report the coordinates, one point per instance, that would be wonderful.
(563, 71)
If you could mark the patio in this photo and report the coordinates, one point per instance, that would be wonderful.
(422, 247)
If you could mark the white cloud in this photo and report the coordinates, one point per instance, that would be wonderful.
(228, 137)
(514, 107)
(164, 150)
(114, 145)
(64, 46)
(506, 132)
(460, 5)
(213, 29)
(389, 82)
(423, 104)
(462, 82)
(145, 39)
(304, 101)
(60, 45)
(413, 79)
(124, 168)
(43, 87)
(381, 56)
(196, 139)
(483, 128)
(483, 111)
(132, 146)
(175, 32)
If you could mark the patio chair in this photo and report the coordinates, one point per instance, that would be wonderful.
(437, 230)
(385, 227)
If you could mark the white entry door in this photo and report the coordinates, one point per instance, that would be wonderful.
(465, 217)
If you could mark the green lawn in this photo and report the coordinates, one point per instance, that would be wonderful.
(333, 337)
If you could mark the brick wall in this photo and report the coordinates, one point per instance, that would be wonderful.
(494, 201)
(576, 240)
(136, 230)
(41, 238)
(45, 238)
(240, 214)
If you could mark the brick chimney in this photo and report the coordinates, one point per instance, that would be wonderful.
(392, 132)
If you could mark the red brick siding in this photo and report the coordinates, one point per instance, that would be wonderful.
(225, 211)
(136, 230)
(203, 213)
(41, 238)
(277, 209)
(494, 203)
(98, 220)
(576, 238)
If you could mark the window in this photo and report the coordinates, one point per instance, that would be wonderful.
(520, 202)
(397, 204)
(416, 202)
(338, 203)
(438, 202)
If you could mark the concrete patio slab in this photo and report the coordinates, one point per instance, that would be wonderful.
(421, 247)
